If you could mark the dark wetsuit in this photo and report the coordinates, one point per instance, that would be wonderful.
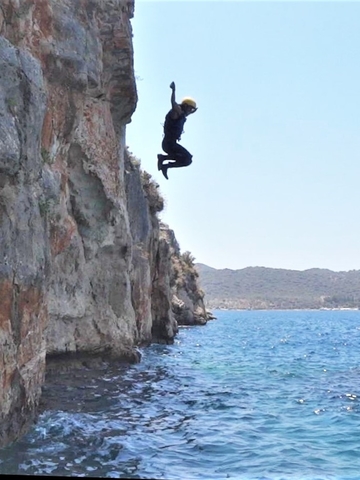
(173, 129)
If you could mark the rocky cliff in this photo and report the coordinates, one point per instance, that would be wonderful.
(86, 268)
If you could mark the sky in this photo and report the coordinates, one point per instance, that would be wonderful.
(276, 139)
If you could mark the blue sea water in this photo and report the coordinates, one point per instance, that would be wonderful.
(251, 395)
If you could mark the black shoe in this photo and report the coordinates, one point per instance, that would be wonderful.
(160, 161)
(164, 170)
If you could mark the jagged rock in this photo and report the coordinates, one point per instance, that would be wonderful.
(187, 302)
(144, 231)
(76, 59)
(164, 326)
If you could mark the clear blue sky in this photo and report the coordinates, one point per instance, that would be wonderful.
(275, 178)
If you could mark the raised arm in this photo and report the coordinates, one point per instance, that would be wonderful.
(175, 107)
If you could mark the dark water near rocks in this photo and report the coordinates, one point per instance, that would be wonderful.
(252, 395)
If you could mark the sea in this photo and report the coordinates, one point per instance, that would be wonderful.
(252, 395)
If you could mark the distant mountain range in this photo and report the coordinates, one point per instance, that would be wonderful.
(276, 288)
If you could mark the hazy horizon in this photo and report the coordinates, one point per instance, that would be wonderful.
(275, 140)
(277, 268)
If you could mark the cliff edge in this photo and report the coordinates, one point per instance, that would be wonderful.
(86, 267)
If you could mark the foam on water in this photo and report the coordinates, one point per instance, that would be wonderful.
(252, 395)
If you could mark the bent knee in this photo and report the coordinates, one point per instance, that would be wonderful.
(188, 160)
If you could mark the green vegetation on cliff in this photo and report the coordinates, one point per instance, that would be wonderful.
(275, 288)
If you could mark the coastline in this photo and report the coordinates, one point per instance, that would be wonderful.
(285, 309)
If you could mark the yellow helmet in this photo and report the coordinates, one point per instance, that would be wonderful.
(188, 101)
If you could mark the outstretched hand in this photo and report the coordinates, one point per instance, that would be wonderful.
(172, 86)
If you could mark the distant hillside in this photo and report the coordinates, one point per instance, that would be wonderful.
(276, 288)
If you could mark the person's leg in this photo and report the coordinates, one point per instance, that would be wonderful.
(178, 156)
(161, 159)
(182, 157)
(167, 147)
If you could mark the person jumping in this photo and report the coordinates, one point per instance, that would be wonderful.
(177, 155)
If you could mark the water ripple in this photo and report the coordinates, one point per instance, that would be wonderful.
(253, 395)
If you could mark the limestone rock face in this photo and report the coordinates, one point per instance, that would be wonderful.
(187, 298)
(85, 267)
(151, 261)
(67, 90)
(85, 50)
(144, 233)
(164, 322)
(24, 248)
